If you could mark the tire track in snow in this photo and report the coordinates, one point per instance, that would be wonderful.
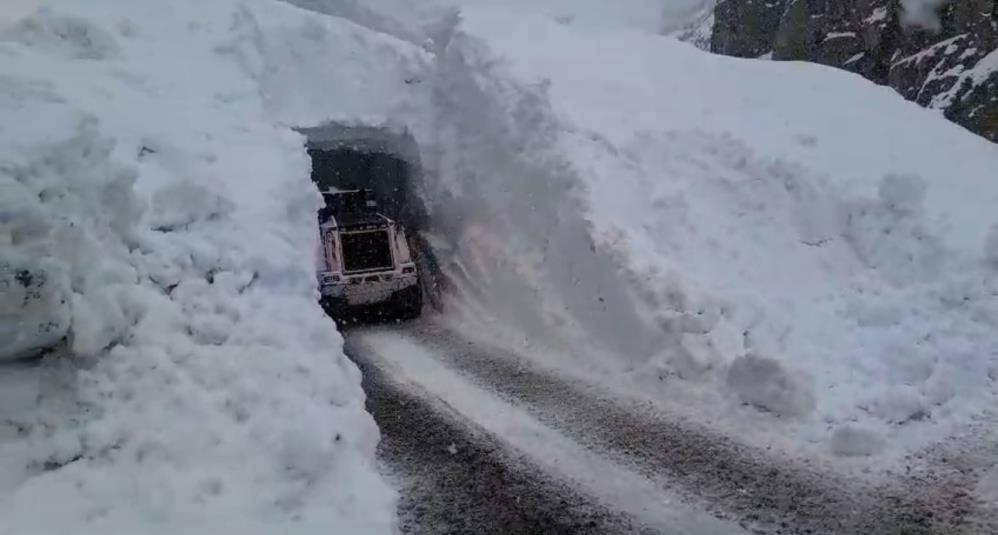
(732, 481)
(455, 477)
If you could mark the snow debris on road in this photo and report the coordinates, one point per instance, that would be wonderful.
(157, 227)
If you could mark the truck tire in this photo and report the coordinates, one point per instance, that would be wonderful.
(335, 308)
(410, 302)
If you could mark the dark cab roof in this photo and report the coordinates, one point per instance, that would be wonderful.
(351, 210)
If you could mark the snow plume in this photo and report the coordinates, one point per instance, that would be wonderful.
(678, 15)
(924, 13)
(510, 203)
(157, 233)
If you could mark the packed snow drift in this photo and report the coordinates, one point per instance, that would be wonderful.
(157, 232)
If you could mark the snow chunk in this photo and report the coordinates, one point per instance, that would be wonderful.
(34, 307)
(903, 194)
(922, 13)
(185, 203)
(855, 441)
(889, 236)
(765, 383)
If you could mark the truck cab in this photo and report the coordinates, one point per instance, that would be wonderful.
(364, 258)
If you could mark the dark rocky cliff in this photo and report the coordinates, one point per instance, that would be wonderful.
(951, 66)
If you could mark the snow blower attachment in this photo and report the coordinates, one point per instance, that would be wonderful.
(364, 259)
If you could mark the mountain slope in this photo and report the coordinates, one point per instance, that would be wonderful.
(150, 177)
(947, 61)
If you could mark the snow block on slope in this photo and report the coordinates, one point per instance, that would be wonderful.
(764, 383)
(890, 235)
(34, 307)
(854, 441)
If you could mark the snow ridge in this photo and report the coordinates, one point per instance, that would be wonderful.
(158, 207)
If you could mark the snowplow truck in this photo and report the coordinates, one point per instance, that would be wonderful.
(364, 259)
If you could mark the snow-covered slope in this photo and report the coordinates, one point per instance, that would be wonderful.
(816, 248)
(153, 193)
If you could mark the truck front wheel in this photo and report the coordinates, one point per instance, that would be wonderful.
(336, 308)
(410, 302)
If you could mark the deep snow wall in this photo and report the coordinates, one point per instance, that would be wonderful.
(795, 264)
(509, 205)
(156, 214)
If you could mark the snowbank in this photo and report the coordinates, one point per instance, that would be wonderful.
(794, 253)
(157, 227)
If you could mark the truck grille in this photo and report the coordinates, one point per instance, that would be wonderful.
(366, 251)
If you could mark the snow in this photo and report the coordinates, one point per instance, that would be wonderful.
(34, 312)
(966, 79)
(879, 15)
(157, 224)
(15, 9)
(838, 35)
(922, 13)
(854, 58)
(852, 441)
(626, 207)
(963, 78)
(417, 21)
(765, 383)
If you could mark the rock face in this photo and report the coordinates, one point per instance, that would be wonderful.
(951, 66)
(745, 28)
